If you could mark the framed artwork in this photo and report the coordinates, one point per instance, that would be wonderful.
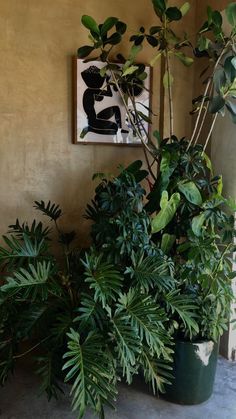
(99, 115)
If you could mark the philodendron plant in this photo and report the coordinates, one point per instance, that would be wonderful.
(106, 314)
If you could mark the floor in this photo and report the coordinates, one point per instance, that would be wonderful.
(19, 400)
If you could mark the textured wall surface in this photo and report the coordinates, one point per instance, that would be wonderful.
(37, 159)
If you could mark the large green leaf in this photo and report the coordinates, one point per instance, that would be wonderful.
(167, 212)
(197, 224)
(90, 369)
(191, 192)
(167, 242)
(90, 24)
(216, 104)
(231, 13)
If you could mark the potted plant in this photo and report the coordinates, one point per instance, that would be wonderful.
(185, 199)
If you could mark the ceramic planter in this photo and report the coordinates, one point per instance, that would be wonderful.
(194, 372)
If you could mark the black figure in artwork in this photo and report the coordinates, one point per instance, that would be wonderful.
(100, 122)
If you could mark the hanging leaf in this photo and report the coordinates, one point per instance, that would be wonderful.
(173, 13)
(229, 68)
(219, 79)
(216, 104)
(185, 8)
(134, 52)
(159, 7)
(217, 18)
(231, 108)
(121, 27)
(233, 62)
(84, 51)
(90, 24)
(187, 61)
(130, 70)
(197, 224)
(152, 40)
(191, 192)
(155, 59)
(114, 39)
(167, 212)
(108, 24)
(208, 162)
(231, 13)
(168, 80)
(167, 242)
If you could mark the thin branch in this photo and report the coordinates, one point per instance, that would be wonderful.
(170, 98)
(205, 94)
(210, 132)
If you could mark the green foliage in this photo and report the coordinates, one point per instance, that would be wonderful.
(91, 368)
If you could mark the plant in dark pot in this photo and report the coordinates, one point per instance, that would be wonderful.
(189, 220)
(195, 226)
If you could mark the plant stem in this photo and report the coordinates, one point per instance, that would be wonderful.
(205, 94)
(210, 132)
(170, 98)
(31, 349)
(203, 119)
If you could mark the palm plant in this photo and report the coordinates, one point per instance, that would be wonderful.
(109, 318)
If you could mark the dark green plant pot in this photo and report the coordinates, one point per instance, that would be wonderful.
(194, 371)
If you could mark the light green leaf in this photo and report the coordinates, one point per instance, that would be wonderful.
(208, 162)
(187, 61)
(197, 224)
(191, 192)
(90, 24)
(130, 70)
(231, 13)
(155, 59)
(167, 212)
(167, 242)
(134, 52)
(185, 8)
(168, 80)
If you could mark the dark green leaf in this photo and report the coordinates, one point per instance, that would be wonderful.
(152, 40)
(108, 24)
(90, 24)
(173, 13)
(84, 51)
(231, 13)
(121, 27)
(216, 104)
(114, 39)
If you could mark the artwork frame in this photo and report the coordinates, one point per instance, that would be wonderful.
(122, 136)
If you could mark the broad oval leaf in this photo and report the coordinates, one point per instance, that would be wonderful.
(191, 192)
(173, 13)
(167, 212)
(197, 224)
(84, 51)
(216, 104)
(108, 24)
(167, 242)
(231, 13)
(185, 8)
(90, 24)
(121, 27)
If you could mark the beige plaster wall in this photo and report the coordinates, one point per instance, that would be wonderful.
(37, 159)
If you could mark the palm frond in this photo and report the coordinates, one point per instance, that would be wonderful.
(155, 371)
(46, 371)
(152, 272)
(104, 279)
(184, 307)
(127, 344)
(92, 371)
(90, 314)
(34, 231)
(29, 283)
(19, 250)
(148, 318)
(51, 210)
